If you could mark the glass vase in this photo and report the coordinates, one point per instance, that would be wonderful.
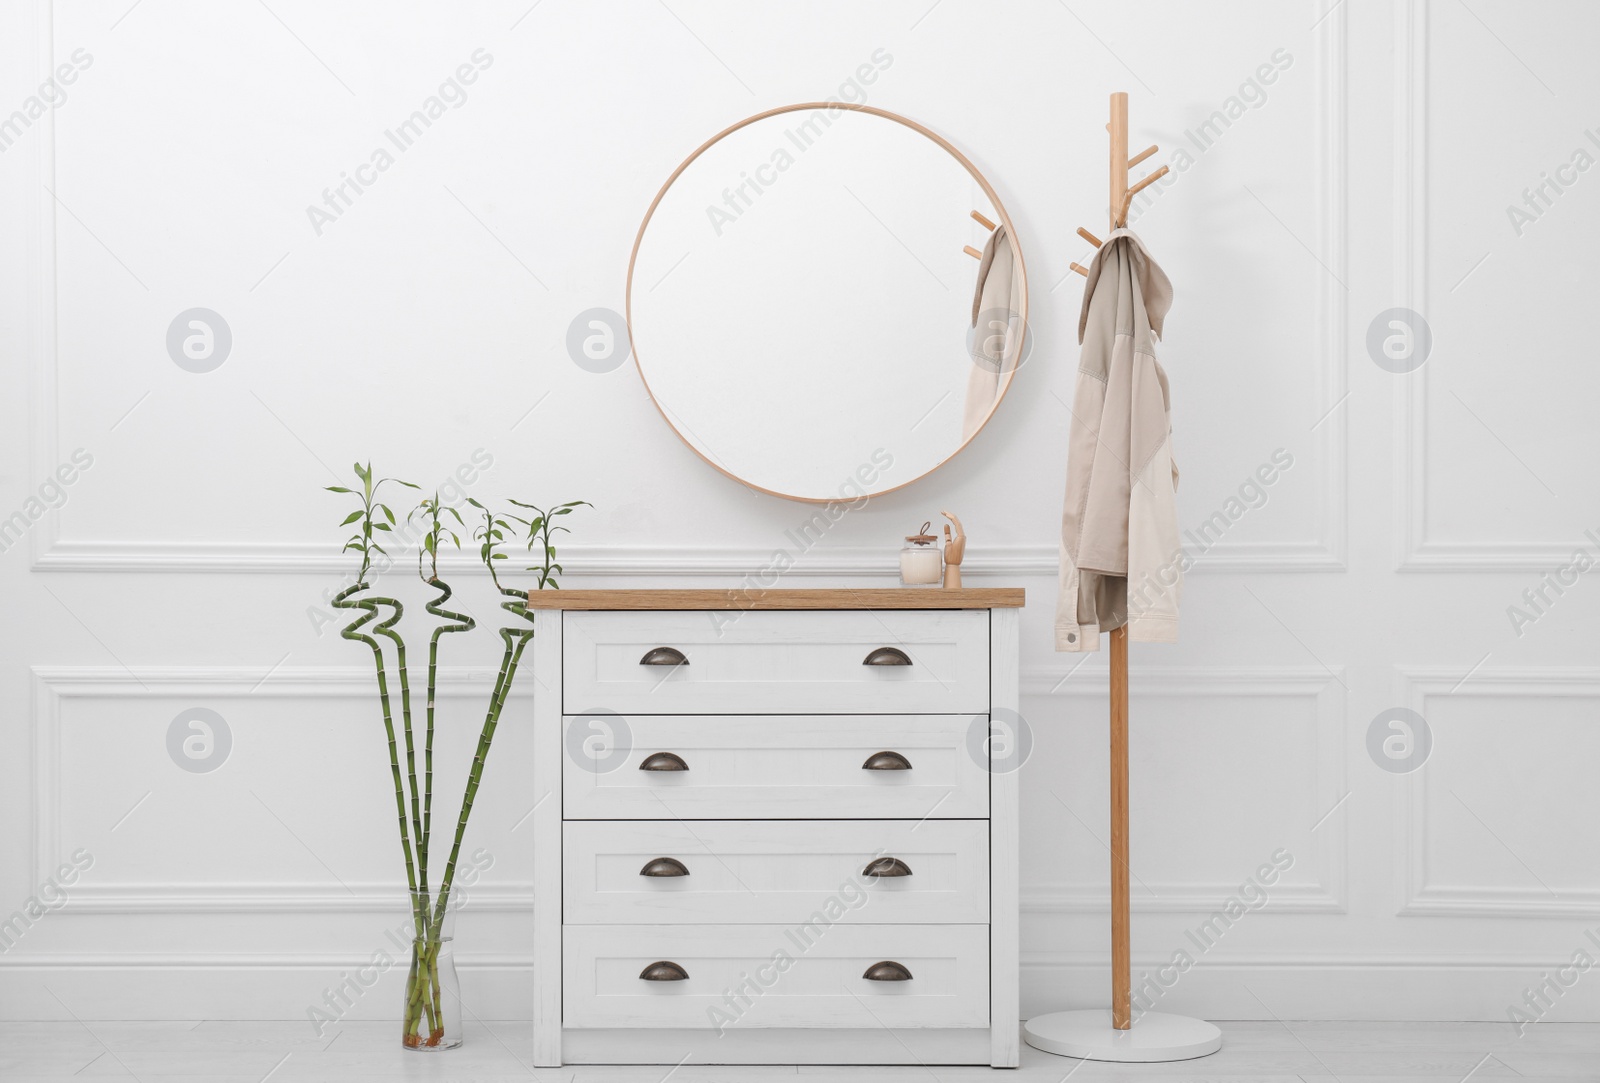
(431, 1019)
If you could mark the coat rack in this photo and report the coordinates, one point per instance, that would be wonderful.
(1096, 1034)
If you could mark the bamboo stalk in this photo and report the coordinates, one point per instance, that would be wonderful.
(369, 607)
(386, 628)
(516, 640)
(426, 983)
(423, 994)
(432, 1004)
(366, 544)
(462, 623)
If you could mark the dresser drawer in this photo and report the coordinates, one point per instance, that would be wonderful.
(731, 872)
(776, 662)
(755, 767)
(775, 976)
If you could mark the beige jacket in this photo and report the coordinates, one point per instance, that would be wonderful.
(1121, 558)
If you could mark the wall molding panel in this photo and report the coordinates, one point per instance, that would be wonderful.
(54, 685)
(1331, 857)
(1419, 895)
(1415, 551)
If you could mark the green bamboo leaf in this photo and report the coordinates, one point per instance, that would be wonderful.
(338, 489)
(352, 517)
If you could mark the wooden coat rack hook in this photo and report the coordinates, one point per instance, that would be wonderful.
(1122, 192)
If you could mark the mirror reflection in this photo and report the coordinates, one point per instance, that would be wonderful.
(818, 304)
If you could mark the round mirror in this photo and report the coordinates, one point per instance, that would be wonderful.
(827, 301)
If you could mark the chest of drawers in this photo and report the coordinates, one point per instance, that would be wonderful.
(768, 829)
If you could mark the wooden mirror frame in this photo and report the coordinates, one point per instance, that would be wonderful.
(988, 190)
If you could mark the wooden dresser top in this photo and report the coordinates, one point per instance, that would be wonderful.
(819, 598)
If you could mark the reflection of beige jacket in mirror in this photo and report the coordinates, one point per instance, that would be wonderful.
(1121, 559)
(996, 329)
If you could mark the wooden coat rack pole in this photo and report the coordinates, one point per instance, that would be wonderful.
(1121, 899)
(1121, 903)
(1158, 1036)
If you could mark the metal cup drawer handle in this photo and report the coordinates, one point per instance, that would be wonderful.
(886, 761)
(664, 866)
(663, 761)
(887, 656)
(663, 970)
(888, 970)
(664, 656)
(887, 866)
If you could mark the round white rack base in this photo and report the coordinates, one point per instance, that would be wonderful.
(1088, 1035)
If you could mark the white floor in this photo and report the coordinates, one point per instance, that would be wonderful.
(221, 1052)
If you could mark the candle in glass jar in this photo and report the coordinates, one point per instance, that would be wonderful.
(921, 564)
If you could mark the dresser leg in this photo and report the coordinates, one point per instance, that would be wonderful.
(1005, 704)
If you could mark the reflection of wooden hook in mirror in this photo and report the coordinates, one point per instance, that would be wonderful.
(986, 224)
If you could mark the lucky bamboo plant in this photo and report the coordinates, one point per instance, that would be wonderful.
(428, 1018)
(541, 530)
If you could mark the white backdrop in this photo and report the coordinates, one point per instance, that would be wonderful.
(1368, 156)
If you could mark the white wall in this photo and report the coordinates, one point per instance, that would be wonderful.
(429, 320)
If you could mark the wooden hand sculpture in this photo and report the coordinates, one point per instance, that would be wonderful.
(954, 549)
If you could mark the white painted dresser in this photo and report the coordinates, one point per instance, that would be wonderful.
(768, 829)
